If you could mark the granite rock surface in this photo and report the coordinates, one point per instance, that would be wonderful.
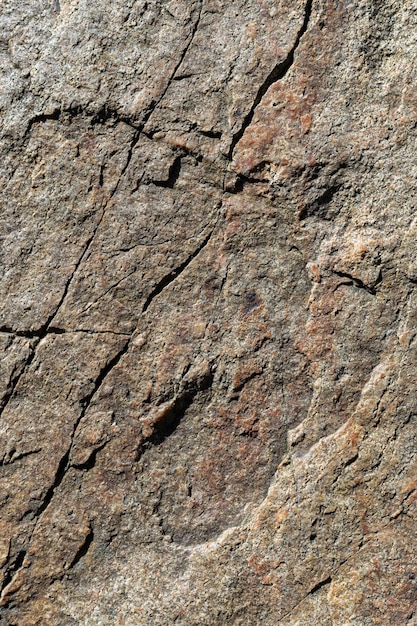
(208, 312)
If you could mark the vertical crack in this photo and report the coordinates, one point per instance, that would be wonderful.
(276, 74)
(173, 175)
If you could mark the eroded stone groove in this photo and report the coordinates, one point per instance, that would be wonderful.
(207, 313)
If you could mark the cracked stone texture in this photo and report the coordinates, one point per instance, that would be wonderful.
(208, 312)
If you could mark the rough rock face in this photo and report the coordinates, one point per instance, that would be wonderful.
(208, 312)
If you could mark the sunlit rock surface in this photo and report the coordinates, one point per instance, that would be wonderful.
(208, 312)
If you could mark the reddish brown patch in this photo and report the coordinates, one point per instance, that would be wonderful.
(276, 137)
(87, 147)
(245, 372)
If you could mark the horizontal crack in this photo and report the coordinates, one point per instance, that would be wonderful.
(102, 116)
(359, 283)
(22, 455)
(55, 330)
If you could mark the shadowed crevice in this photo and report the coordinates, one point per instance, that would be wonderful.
(13, 567)
(83, 549)
(357, 282)
(320, 585)
(165, 427)
(173, 174)
(317, 208)
(22, 455)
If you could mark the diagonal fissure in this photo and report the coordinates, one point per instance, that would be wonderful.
(13, 567)
(276, 74)
(176, 68)
(173, 275)
(63, 466)
(14, 383)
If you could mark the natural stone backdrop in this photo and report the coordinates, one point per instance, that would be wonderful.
(208, 312)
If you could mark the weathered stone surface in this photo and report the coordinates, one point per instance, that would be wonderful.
(208, 313)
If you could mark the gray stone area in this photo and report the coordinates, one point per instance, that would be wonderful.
(208, 312)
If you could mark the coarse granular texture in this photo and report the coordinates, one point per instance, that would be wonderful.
(208, 312)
